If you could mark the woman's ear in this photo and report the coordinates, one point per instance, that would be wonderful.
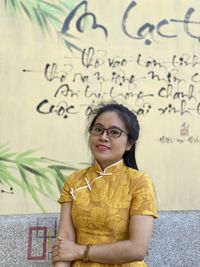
(129, 145)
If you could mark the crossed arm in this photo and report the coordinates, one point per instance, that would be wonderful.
(66, 231)
(133, 249)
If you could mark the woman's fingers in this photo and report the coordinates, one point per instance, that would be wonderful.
(61, 238)
(64, 250)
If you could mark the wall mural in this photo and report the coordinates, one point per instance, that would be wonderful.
(34, 174)
(60, 58)
(45, 14)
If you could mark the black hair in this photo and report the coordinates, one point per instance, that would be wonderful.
(131, 123)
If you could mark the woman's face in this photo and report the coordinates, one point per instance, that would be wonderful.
(106, 149)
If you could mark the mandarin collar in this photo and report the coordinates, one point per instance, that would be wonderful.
(113, 168)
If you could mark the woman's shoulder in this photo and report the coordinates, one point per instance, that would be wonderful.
(78, 172)
(137, 175)
(133, 172)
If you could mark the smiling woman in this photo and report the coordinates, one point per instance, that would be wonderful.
(107, 209)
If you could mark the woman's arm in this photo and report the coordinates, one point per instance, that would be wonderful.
(133, 249)
(65, 230)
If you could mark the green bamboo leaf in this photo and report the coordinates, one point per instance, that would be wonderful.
(33, 160)
(45, 183)
(24, 159)
(26, 182)
(62, 167)
(7, 177)
(48, 188)
(39, 20)
(59, 182)
(33, 171)
(53, 20)
(23, 174)
(39, 182)
(60, 179)
(44, 13)
(3, 146)
(18, 6)
(30, 161)
(70, 4)
(5, 159)
(30, 188)
(70, 35)
(45, 21)
(59, 174)
(42, 192)
(9, 6)
(25, 154)
(45, 171)
(26, 10)
(34, 178)
(47, 160)
(7, 155)
(71, 45)
(51, 7)
(13, 4)
(44, 187)
(3, 152)
(35, 198)
(4, 178)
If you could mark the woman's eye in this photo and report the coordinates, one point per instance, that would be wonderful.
(97, 129)
(114, 132)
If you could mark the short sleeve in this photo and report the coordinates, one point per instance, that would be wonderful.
(65, 195)
(143, 197)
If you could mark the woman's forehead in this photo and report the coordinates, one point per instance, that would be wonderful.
(110, 117)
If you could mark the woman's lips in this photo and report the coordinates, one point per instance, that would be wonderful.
(102, 147)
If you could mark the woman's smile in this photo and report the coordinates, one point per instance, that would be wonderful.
(102, 148)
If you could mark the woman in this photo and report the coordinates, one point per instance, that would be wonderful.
(107, 209)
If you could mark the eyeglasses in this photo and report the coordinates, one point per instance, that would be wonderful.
(111, 132)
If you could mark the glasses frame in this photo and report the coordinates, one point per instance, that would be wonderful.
(107, 131)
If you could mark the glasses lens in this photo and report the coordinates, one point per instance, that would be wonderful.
(114, 132)
(97, 130)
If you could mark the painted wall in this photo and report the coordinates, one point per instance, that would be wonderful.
(58, 59)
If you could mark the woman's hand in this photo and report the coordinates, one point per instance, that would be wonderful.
(66, 250)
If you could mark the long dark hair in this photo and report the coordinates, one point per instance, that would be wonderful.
(131, 123)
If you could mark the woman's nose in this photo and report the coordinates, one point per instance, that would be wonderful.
(104, 135)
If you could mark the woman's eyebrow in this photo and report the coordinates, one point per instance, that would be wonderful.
(98, 123)
(112, 126)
